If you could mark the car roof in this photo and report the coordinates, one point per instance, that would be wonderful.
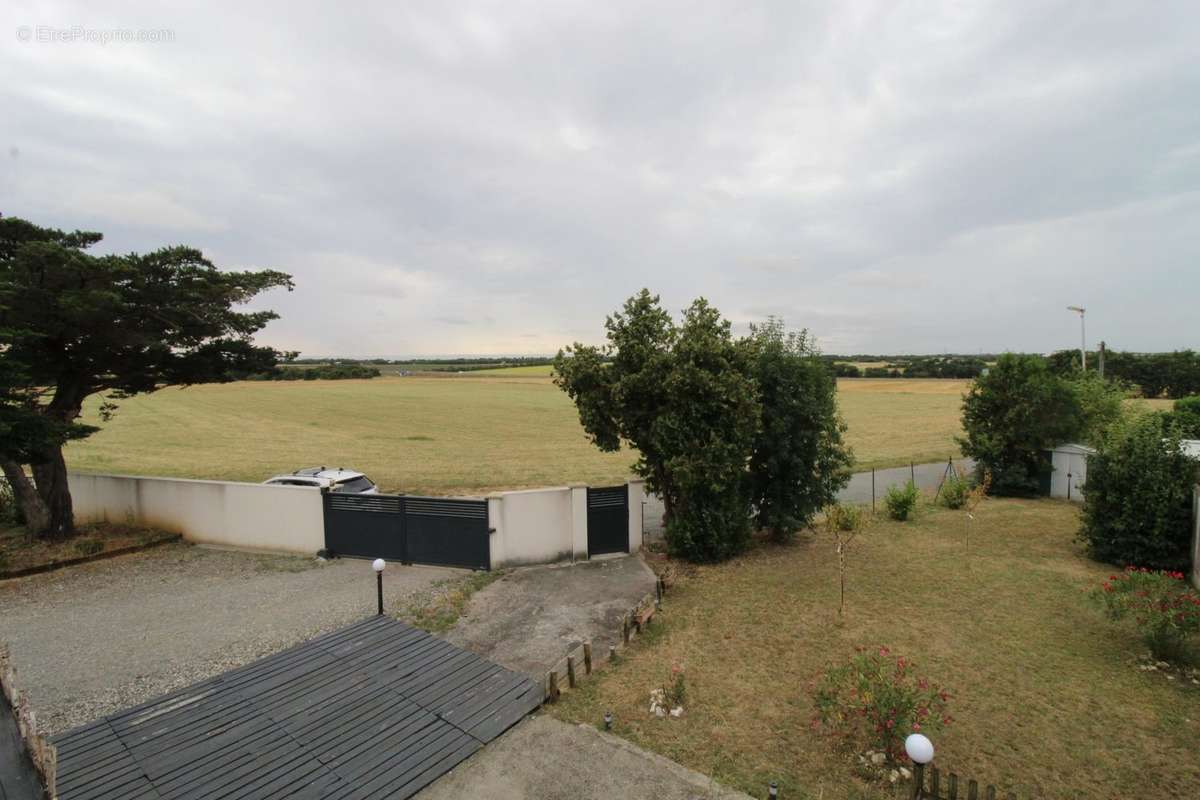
(329, 473)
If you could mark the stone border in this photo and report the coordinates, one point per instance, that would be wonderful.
(51, 566)
(41, 752)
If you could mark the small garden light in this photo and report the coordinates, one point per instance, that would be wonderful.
(378, 565)
(773, 790)
(608, 720)
(920, 750)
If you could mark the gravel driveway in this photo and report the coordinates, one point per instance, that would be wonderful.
(92, 639)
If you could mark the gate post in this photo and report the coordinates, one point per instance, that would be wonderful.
(495, 521)
(579, 522)
(637, 493)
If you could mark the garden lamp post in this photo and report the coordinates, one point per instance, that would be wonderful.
(920, 750)
(1082, 336)
(378, 565)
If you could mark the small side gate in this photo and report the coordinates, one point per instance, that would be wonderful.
(412, 530)
(608, 520)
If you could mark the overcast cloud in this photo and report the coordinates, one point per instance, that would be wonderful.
(460, 177)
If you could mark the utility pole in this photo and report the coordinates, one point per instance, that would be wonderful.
(1082, 336)
(1101, 365)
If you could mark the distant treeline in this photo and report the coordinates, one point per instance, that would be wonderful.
(463, 364)
(910, 367)
(1171, 375)
(323, 372)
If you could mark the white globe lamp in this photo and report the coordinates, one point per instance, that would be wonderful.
(919, 748)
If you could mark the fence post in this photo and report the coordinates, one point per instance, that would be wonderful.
(872, 490)
(571, 671)
(587, 658)
(553, 694)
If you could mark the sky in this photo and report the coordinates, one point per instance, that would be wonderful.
(495, 178)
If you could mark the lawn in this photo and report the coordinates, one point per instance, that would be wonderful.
(1046, 697)
(451, 434)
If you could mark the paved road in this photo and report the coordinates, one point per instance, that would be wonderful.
(928, 476)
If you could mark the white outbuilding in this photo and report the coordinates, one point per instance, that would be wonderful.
(1069, 462)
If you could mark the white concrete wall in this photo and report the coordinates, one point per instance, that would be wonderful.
(285, 519)
(531, 527)
(541, 526)
(537, 526)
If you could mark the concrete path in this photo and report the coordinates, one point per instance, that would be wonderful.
(545, 759)
(18, 780)
(928, 476)
(529, 620)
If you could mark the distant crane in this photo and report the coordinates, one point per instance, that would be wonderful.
(1082, 336)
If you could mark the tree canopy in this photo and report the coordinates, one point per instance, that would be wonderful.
(722, 427)
(73, 324)
(1021, 408)
(799, 461)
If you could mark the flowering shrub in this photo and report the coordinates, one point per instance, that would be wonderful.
(876, 700)
(1165, 609)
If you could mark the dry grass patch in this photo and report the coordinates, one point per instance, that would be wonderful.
(1046, 695)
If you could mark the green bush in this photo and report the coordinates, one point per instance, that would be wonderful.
(10, 513)
(799, 461)
(1137, 507)
(1187, 415)
(956, 489)
(901, 500)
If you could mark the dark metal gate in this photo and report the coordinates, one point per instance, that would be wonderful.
(608, 520)
(412, 530)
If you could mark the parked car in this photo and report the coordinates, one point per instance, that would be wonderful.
(335, 480)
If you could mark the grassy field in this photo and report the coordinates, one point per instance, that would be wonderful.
(450, 434)
(539, 370)
(1046, 697)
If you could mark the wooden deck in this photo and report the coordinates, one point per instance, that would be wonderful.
(377, 709)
